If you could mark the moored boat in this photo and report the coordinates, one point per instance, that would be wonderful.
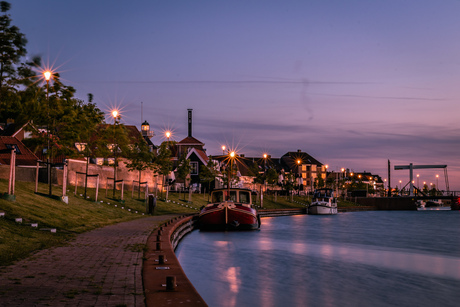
(230, 209)
(323, 202)
(431, 205)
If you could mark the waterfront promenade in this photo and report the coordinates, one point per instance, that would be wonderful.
(102, 267)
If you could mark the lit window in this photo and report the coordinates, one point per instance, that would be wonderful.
(194, 168)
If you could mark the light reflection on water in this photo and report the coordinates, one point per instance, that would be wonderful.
(366, 258)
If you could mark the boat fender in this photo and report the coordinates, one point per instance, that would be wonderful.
(235, 224)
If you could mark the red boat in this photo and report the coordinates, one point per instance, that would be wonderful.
(230, 209)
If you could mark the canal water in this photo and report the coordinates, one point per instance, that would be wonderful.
(374, 258)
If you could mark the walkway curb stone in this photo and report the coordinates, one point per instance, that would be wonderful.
(102, 267)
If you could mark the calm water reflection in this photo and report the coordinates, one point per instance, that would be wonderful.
(351, 259)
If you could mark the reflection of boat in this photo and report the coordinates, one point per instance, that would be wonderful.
(230, 209)
(323, 202)
(431, 205)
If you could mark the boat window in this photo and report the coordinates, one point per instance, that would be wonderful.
(217, 197)
(245, 198)
(233, 195)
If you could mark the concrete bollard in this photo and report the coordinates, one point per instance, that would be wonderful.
(161, 259)
(170, 283)
(158, 246)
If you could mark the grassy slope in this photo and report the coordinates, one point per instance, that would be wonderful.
(17, 241)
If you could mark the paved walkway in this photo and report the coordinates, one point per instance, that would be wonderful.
(102, 267)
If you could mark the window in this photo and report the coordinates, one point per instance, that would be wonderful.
(217, 197)
(245, 197)
(80, 146)
(194, 168)
(13, 146)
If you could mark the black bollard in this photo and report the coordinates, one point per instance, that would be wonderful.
(170, 283)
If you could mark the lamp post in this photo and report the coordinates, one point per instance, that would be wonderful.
(223, 150)
(168, 135)
(115, 116)
(47, 74)
(265, 170)
(231, 157)
(299, 162)
(437, 187)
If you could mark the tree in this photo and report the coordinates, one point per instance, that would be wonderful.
(140, 158)
(272, 176)
(208, 173)
(183, 168)
(12, 49)
(163, 161)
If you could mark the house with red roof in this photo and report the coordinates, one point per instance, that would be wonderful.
(24, 156)
(194, 151)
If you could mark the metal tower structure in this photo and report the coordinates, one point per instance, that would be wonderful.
(411, 167)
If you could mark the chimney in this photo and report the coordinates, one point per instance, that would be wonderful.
(190, 122)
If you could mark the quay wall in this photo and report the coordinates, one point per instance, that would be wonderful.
(161, 264)
(388, 203)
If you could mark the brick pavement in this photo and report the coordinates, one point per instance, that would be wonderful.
(102, 267)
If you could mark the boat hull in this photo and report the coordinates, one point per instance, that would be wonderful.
(228, 216)
(320, 209)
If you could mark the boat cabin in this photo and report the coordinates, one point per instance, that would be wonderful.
(323, 193)
(234, 195)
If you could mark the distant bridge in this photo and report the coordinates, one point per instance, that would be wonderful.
(411, 167)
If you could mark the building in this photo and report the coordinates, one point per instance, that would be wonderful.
(193, 149)
(309, 170)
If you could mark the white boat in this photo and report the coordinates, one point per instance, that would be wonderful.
(323, 202)
(431, 205)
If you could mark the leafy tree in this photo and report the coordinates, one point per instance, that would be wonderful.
(163, 161)
(272, 176)
(140, 158)
(12, 49)
(183, 168)
(208, 173)
(289, 182)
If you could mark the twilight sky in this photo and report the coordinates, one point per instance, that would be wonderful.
(353, 83)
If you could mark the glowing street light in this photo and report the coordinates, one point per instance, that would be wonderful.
(115, 115)
(223, 149)
(47, 74)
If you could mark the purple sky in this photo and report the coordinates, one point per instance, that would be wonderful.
(353, 83)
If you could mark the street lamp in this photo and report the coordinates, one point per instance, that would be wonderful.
(231, 157)
(47, 75)
(437, 187)
(115, 115)
(299, 162)
(223, 149)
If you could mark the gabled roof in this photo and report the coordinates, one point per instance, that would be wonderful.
(24, 156)
(200, 154)
(190, 141)
(292, 156)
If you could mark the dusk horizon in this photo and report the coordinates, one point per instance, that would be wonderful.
(352, 84)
